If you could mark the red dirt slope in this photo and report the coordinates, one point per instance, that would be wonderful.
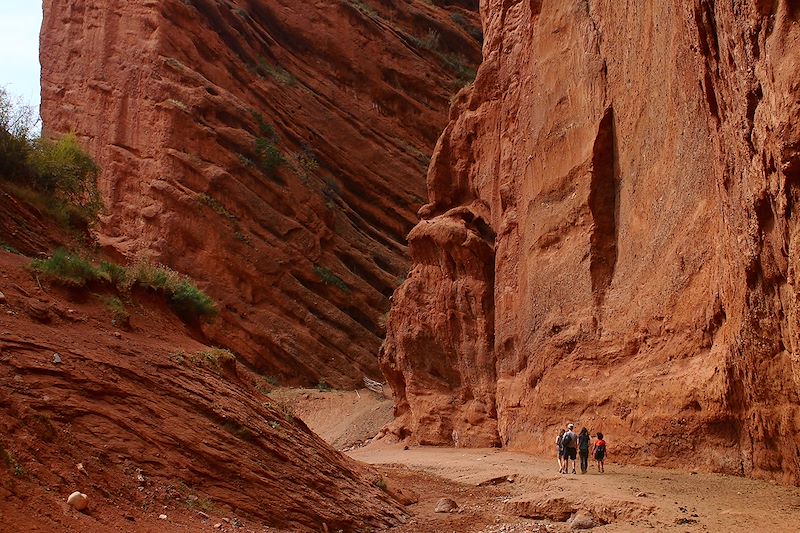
(171, 96)
(157, 428)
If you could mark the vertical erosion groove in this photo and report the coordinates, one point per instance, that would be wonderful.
(603, 205)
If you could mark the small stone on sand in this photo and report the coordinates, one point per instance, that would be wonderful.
(446, 505)
(582, 521)
(78, 501)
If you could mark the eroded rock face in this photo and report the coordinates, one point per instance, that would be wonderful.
(273, 150)
(154, 419)
(611, 236)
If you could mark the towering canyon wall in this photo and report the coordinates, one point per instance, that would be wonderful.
(189, 106)
(612, 239)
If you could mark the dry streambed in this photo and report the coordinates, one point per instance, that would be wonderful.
(502, 491)
(499, 491)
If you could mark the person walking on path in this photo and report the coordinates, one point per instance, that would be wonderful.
(599, 452)
(583, 449)
(570, 443)
(560, 449)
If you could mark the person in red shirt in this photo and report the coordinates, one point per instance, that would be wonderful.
(599, 452)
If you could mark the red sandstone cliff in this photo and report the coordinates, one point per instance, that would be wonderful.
(187, 107)
(612, 239)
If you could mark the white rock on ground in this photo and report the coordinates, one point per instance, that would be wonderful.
(582, 521)
(445, 505)
(78, 501)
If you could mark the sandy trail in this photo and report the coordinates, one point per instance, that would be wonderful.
(625, 498)
(344, 419)
(628, 498)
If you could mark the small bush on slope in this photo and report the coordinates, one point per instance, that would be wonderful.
(185, 298)
(66, 269)
(55, 176)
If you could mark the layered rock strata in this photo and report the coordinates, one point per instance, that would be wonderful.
(273, 150)
(611, 239)
(145, 420)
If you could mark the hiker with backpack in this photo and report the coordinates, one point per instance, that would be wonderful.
(570, 443)
(599, 452)
(583, 449)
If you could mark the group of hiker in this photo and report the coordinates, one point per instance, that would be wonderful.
(570, 445)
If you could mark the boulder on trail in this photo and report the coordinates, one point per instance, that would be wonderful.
(78, 501)
(446, 505)
(582, 521)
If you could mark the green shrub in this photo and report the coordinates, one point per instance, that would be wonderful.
(55, 176)
(264, 129)
(268, 156)
(277, 73)
(63, 169)
(113, 274)
(305, 164)
(329, 278)
(8, 248)
(429, 41)
(66, 269)
(186, 299)
(151, 276)
(459, 66)
(214, 358)
(17, 123)
(12, 463)
(119, 314)
(282, 406)
(308, 161)
(202, 504)
(215, 206)
(192, 304)
(364, 8)
(178, 357)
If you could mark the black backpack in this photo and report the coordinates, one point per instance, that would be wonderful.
(568, 440)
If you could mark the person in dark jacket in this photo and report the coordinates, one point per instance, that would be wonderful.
(583, 449)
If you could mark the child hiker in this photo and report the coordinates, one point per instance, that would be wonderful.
(599, 452)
